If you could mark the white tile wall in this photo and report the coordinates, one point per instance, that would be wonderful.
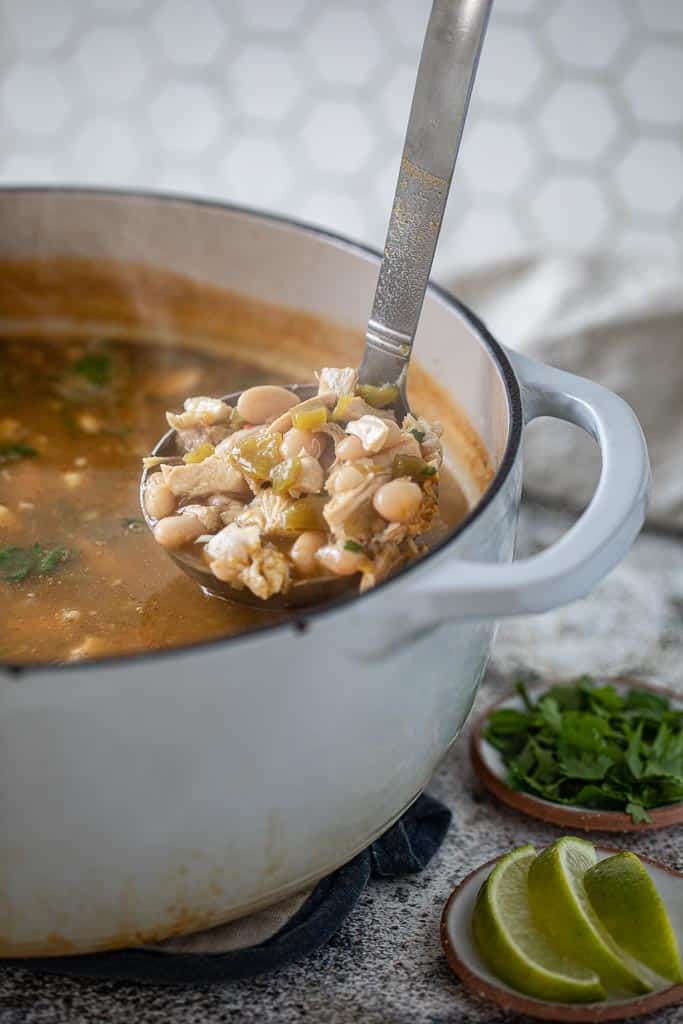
(575, 139)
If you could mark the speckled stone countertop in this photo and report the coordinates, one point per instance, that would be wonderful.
(386, 964)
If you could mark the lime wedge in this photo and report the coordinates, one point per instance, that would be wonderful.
(512, 946)
(563, 913)
(622, 893)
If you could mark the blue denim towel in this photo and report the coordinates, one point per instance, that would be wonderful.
(404, 849)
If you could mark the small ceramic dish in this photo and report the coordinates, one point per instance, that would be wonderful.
(489, 766)
(463, 956)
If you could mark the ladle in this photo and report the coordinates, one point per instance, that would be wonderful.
(448, 65)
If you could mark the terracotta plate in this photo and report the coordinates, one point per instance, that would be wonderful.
(464, 959)
(489, 766)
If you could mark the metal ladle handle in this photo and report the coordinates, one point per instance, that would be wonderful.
(448, 65)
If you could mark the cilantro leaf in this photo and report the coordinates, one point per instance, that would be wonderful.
(507, 721)
(550, 714)
(50, 559)
(16, 450)
(17, 563)
(95, 367)
(593, 746)
(521, 688)
(353, 545)
(666, 753)
(98, 376)
(632, 756)
(639, 815)
(586, 766)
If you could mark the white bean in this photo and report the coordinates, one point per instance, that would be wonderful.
(350, 448)
(222, 501)
(339, 561)
(397, 501)
(73, 479)
(176, 531)
(265, 402)
(159, 501)
(304, 550)
(346, 478)
(295, 441)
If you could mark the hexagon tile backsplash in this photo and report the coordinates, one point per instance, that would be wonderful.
(575, 139)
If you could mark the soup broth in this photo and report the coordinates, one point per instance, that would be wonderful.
(80, 575)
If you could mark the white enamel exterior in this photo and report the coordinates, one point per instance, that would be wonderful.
(148, 796)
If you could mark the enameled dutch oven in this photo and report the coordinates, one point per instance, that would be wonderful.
(146, 796)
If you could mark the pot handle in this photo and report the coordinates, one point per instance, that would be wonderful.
(598, 540)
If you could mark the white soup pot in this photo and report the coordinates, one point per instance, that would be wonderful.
(145, 796)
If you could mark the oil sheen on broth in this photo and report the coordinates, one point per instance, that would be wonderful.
(80, 575)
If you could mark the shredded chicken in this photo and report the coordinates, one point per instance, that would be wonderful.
(430, 434)
(388, 558)
(199, 479)
(200, 412)
(265, 512)
(344, 512)
(273, 511)
(199, 436)
(356, 407)
(232, 512)
(340, 381)
(310, 479)
(428, 513)
(238, 556)
(268, 573)
(208, 516)
(407, 445)
(334, 431)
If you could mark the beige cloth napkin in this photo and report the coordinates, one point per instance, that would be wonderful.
(241, 934)
(617, 320)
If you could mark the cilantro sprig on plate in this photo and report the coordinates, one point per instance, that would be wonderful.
(593, 746)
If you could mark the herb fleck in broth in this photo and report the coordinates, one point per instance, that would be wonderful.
(89, 412)
(80, 576)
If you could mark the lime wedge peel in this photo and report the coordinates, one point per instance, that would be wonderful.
(626, 901)
(563, 912)
(514, 948)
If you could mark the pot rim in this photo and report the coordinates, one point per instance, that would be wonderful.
(300, 621)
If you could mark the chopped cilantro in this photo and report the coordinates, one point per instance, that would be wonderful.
(594, 746)
(17, 563)
(429, 471)
(95, 367)
(50, 558)
(419, 435)
(353, 545)
(16, 450)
